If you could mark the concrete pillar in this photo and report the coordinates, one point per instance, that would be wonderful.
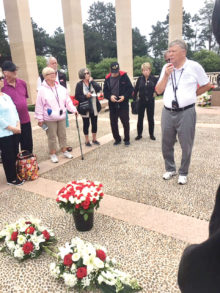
(74, 39)
(22, 43)
(175, 20)
(124, 35)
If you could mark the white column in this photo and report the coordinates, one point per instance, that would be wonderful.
(175, 20)
(124, 35)
(22, 43)
(74, 39)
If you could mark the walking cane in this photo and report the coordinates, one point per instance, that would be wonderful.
(77, 126)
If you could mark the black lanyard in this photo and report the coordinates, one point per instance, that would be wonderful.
(174, 83)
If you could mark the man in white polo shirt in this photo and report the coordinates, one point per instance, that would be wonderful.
(181, 81)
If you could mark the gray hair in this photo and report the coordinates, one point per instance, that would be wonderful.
(81, 72)
(49, 60)
(179, 43)
(47, 70)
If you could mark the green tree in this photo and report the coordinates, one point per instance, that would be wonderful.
(41, 63)
(208, 59)
(102, 68)
(139, 43)
(206, 37)
(41, 39)
(138, 61)
(101, 21)
(4, 47)
(57, 47)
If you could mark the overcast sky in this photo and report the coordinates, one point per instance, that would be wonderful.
(145, 13)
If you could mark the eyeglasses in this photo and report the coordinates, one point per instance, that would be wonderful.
(50, 73)
(86, 73)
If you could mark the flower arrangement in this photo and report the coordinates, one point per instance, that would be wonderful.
(204, 100)
(26, 238)
(84, 266)
(80, 196)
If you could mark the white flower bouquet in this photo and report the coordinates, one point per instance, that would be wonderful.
(26, 238)
(84, 266)
(204, 100)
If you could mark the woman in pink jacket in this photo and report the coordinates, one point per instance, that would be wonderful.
(50, 111)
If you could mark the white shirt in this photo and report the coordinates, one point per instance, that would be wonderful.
(187, 79)
(39, 82)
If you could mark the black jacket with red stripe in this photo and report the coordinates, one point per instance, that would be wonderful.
(125, 89)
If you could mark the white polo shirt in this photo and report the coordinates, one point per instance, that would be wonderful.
(187, 79)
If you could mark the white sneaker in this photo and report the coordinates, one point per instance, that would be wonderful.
(67, 155)
(182, 179)
(54, 158)
(169, 175)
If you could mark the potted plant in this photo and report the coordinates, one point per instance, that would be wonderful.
(80, 198)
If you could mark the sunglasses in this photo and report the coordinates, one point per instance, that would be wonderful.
(86, 73)
(1, 77)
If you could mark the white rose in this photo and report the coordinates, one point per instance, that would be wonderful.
(19, 253)
(98, 263)
(75, 257)
(21, 239)
(11, 245)
(73, 268)
(69, 279)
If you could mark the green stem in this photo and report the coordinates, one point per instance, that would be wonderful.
(50, 252)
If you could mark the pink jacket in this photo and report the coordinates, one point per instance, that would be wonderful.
(52, 103)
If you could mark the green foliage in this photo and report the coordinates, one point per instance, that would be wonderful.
(208, 59)
(41, 63)
(4, 47)
(100, 69)
(41, 39)
(138, 61)
(57, 46)
(139, 43)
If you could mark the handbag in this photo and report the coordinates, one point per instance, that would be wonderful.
(134, 107)
(27, 166)
(84, 107)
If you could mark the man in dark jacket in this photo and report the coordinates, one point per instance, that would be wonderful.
(118, 89)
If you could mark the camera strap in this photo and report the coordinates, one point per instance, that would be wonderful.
(175, 84)
(56, 95)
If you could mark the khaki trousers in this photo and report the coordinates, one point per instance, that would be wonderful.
(56, 129)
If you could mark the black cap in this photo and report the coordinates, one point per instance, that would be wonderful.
(114, 67)
(9, 66)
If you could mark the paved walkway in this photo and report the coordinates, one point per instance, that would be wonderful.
(135, 221)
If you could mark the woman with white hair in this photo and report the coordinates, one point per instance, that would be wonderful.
(52, 103)
(9, 129)
(145, 88)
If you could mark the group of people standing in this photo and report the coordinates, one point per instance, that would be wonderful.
(180, 81)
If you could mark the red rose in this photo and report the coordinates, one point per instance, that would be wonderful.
(77, 206)
(46, 234)
(28, 247)
(81, 272)
(94, 200)
(29, 230)
(28, 223)
(68, 260)
(14, 236)
(101, 254)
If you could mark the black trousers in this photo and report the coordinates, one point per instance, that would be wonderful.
(25, 138)
(9, 146)
(149, 106)
(123, 114)
(86, 123)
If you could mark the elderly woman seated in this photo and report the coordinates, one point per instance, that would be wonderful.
(52, 103)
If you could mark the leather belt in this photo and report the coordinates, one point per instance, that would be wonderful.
(179, 109)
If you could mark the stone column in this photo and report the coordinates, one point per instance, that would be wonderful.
(124, 35)
(22, 43)
(74, 39)
(175, 20)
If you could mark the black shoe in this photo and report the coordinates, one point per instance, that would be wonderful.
(127, 143)
(88, 144)
(138, 137)
(152, 137)
(117, 142)
(16, 182)
(96, 142)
